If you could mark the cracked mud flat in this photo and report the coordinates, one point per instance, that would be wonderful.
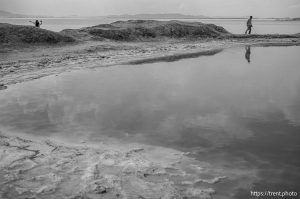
(47, 169)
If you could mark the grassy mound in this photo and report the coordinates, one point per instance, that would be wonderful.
(133, 30)
(17, 34)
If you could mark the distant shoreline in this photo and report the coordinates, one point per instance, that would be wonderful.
(108, 17)
(10, 15)
(288, 19)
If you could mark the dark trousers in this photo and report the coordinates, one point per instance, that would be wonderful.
(248, 29)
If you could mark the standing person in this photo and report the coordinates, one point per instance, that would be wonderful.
(37, 23)
(249, 25)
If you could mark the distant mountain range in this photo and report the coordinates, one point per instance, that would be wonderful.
(5, 14)
(158, 16)
(289, 19)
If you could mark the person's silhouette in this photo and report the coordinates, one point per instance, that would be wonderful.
(249, 26)
(248, 53)
(37, 23)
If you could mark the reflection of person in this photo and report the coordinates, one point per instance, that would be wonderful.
(249, 25)
(37, 23)
(248, 53)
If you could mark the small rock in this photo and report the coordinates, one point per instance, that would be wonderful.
(78, 197)
(45, 189)
(137, 150)
(200, 193)
(21, 190)
(2, 87)
(100, 189)
(211, 181)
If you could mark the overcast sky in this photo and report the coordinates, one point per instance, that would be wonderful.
(258, 8)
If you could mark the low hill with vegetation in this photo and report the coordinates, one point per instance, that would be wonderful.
(17, 34)
(127, 31)
(135, 30)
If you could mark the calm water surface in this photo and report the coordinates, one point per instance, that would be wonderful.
(238, 110)
(237, 26)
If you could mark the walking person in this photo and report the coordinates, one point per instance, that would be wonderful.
(37, 23)
(249, 25)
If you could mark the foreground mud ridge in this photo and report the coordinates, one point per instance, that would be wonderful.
(45, 169)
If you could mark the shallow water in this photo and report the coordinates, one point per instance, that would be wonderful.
(237, 26)
(238, 110)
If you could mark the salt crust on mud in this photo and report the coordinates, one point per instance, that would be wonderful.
(48, 169)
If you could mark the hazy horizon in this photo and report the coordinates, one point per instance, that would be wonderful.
(210, 8)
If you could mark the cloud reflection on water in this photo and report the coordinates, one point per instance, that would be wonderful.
(219, 106)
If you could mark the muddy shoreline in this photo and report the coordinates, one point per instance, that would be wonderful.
(25, 64)
(28, 53)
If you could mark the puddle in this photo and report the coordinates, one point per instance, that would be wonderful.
(238, 110)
